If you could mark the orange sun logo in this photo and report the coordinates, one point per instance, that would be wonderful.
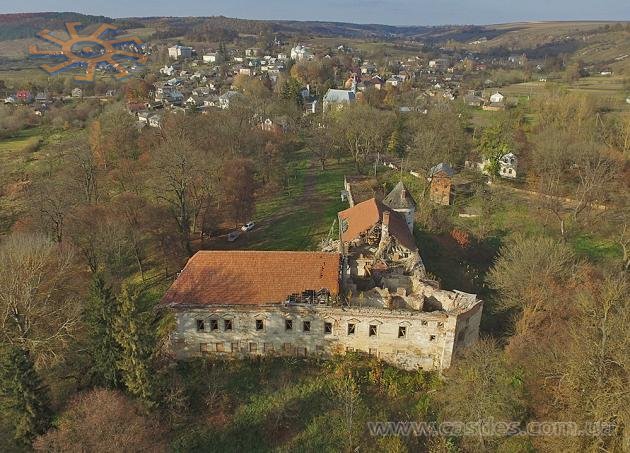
(90, 51)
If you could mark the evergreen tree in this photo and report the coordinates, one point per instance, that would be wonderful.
(104, 350)
(292, 91)
(132, 334)
(395, 146)
(23, 397)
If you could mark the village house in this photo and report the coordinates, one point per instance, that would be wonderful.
(497, 98)
(473, 100)
(24, 96)
(42, 97)
(508, 164)
(213, 58)
(299, 53)
(252, 303)
(155, 120)
(338, 99)
(252, 52)
(167, 70)
(180, 52)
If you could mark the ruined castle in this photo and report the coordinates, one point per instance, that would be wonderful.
(365, 291)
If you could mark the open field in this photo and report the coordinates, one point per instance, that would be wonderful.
(608, 88)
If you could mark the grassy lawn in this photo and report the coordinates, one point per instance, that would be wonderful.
(595, 248)
(300, 216)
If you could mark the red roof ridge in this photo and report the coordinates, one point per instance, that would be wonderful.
(253, 277)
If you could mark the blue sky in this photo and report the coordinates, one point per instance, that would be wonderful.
(393, 12)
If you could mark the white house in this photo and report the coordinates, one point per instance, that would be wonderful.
(167, 70)
(212, 58)
(299, 53)
(177, 52)
(338, 98)
(508, 165)
(497, 98)
(155, 121)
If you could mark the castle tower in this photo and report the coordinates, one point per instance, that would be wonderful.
(400, 200)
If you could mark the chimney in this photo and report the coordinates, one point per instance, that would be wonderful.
(385, 225)
(403, 194)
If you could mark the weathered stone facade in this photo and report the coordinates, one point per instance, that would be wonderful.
(408, 339)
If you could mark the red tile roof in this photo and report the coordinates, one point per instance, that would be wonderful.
(363, 216)
(252, 277)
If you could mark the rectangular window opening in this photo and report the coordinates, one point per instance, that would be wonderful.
(201, 325)
(260, 324)
(227, 324)
(402, 332)
(288, 324)
(373, 330)
(306, 326)
(351, 329)
(327, 328)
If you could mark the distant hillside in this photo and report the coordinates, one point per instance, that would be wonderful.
(26, 25)
(597, 42)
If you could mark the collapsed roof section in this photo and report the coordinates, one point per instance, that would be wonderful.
(364, 216)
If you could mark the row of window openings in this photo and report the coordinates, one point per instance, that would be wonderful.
(306, 327)
(268, 347)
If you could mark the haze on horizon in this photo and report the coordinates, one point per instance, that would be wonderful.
(389, 12)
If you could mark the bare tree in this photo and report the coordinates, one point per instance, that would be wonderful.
(38, 307)
(362, 131)
(83, 170)
(104, 421)
(238, 187)
(177, 175)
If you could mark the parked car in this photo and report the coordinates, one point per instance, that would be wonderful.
(233, 236)
(248, 226)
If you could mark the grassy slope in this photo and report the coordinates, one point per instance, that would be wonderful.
(290, 404)
(18, 160)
